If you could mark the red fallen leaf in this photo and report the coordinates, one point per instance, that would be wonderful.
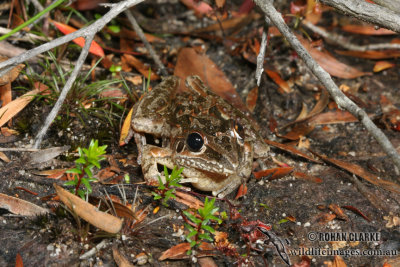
(120, 258)
(242, 191)
(383, 65)
(291, 149)
(246, 6)
(361, 172)
(188, 200)
(273, 173)
(279, 81)
(18, 261)
(367, 30)
(314, 11)
(199, 7)
(357, 211)
(26, 190)
(179, 251)
(338, 211)
(304, 176)
(331, 64)
(95, 48)
(251, 99)
(371, 54)
(87, 4)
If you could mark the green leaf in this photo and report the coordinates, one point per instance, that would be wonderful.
(208, 228)
(192, 233)
(192, 217)
(81, 194)
(88, 171)
(189, 227)
(81, 161)
(283, 221)
(70, 183)
(74, 170)
(87, 184)
(206, 236)
(193, 243)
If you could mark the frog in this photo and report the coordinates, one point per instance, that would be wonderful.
(198, 130)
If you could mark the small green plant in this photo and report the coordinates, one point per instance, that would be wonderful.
(201, 230)
(166, 190)
(88, 159)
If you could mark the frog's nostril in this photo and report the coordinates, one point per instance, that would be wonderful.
(195, 142)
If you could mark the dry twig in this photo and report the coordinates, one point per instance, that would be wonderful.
(340, 98)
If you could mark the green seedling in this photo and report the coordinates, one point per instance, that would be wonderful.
(201, 230)
(166, 190)
(88, 159)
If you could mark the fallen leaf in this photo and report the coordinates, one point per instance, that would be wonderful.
(338, 211)
(20, 207)
(140, 66)
(12, 74)
(44, 155)
(179, 251)
(200, 7)
(291, 149)
(367, 30)
(370, 54)
(383, 65)
(361, 172)
(126, 126)
(325, 217)
(299, 130)
(307, 177)
(88, 212)
(251, 99)
(95, 48)
(4, 157)
(356, 211)
(188, 200)
(242, 191)
(18, 261)
(190, 62)
(14, 107)
(273, 173)
(332, 117)
(283, 85)
(120, 259)
(331, 64)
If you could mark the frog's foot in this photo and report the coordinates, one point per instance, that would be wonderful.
(228, 188)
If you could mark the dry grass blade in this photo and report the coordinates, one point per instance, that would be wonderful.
(361, 172)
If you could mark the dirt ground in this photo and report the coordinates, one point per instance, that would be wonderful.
(297, 209)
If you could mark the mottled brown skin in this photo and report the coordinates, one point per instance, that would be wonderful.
(225, 159)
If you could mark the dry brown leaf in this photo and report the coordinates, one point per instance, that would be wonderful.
(371, 54)
(126, 126)
(299, 130)
(4, 157)
(332, 117)
(12, 74)
(179, 251)
(331, 64)
(120, 259)
(338, 211)
(140, 67)
(88, 212)
(190, 62)
(11, 109)
(361, 172)
(251, 99)
(188, 200)
(307, 177)
(367, 30)
(5, 94)
(383, 65)
(242, 191)
(20, 207)
(291, 149)
(207, 262)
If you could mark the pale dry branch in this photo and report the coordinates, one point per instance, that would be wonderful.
(371, 13)
(340, 98)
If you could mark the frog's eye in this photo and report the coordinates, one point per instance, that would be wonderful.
(195, 142)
